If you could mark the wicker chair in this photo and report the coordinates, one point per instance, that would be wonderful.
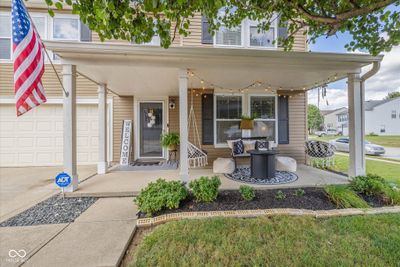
(320, 153)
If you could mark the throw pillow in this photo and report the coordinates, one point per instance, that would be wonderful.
(238, 147)
(262, 145)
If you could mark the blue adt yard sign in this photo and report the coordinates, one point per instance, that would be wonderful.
(63, 179)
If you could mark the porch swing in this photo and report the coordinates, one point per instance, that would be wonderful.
(197, 157)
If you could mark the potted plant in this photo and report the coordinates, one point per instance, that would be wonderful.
(246, 122)
(170, 140)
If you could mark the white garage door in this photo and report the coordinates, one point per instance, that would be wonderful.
(36, 138)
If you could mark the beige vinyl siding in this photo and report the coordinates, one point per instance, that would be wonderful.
(297, 127)
(50, 82)
(194, 38)
(122, 110)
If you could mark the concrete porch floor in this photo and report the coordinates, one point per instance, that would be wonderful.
(129, 183)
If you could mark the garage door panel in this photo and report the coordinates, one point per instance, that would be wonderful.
(7, 142)
(36, 138)
(25, 126)
(59, 125)
(45, 157)
(45, 142)
(26, 158)
(26, 142)
(82, 126)
(44, 126)
(8, 159)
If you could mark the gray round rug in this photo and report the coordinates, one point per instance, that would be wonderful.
(242, 174)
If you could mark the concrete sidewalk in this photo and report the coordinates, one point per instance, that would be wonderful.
(99, 237)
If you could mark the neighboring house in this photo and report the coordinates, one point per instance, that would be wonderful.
(382, 117)
(336, 119)
(237, 71)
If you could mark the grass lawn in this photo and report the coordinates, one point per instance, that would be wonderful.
(372, 240)
(389, 171)
(390, 141)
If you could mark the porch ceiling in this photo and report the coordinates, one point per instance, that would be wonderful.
(149, 71)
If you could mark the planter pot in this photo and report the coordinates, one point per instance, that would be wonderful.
(172, 147)
(246, 124)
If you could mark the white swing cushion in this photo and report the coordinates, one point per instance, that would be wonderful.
(285, 164)
(223, 165)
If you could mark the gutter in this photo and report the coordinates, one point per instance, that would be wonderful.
(375, 68)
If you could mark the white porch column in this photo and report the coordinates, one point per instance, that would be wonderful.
(102, 109)
(356, 127)
(183, 122)
(69, 82)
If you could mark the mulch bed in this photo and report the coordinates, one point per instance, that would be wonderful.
(314, 198)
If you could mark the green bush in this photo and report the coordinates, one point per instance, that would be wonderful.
(369, 184)
(299, 192)
(374, 185)
(248, 193)
(160, 195)
(391, 195)
(280, 195)
(205, 189)
(343, 197)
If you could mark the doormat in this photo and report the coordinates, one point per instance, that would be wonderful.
(146, 163)
(147, 166)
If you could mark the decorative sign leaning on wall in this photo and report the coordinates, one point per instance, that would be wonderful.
(126, 142)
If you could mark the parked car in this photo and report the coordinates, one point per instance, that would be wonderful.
(342, 144)
(327, 132)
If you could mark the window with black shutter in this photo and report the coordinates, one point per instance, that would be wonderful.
(206, 37)
(207, 116)
(283, 120)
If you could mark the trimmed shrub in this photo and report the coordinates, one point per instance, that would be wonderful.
(280, 195)
(160, 195)
(368, 185)
(374, 185)
(248, 193)
(205, 189)
(343, 197)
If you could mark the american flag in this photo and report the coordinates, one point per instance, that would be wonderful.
(28, 60)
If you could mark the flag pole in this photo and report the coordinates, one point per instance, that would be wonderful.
(55, 71)
(47, 54)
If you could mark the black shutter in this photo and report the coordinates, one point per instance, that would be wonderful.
(282, 33)
(283, 120)
(207, 117)
(86, 34)
(206, 37)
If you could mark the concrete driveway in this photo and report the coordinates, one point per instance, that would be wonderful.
(21, 188)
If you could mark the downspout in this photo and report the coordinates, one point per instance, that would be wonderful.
(375, 68)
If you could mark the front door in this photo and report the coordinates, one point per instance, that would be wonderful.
(150, 129)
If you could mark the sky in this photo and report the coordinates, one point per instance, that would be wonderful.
(377, 87)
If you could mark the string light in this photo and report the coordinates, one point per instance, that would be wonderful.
(260, 83)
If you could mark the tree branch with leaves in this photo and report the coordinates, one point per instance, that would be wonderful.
(372, 25)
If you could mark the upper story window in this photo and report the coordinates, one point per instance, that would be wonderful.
(66, 29)
(246, 35)
(394, 113)
(229, 36)
(5, 36)
(61, 27)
